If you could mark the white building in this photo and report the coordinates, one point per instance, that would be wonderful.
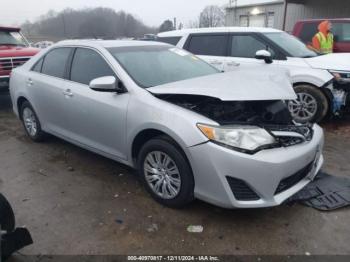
(282, 14)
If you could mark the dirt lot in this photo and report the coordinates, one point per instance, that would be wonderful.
(75, 202)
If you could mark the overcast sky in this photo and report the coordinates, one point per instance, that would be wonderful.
(151, 12)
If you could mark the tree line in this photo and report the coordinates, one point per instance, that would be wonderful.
(106, 23)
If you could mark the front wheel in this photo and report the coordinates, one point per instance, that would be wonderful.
(165, 172)
(311, 105)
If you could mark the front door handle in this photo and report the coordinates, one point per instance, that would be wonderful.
(68, 93)
(216, 62)
(233, 64)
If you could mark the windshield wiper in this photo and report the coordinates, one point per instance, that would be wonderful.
(308, 56)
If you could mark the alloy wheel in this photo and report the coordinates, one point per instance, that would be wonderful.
(30, 122)
(304, 107)
(162, 174)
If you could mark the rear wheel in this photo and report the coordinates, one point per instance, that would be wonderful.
(165, 173)
(31, 123)
(311, 106)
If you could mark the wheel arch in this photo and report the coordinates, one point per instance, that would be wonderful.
(19, 103)
(147, 134)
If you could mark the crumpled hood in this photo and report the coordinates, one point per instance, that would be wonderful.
(240, 85)
(337, 61)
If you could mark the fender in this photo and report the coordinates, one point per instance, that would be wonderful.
(315, 77)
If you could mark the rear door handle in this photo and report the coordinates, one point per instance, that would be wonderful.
(68, 93)
(30, 82)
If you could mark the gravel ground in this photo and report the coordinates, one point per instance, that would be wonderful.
(76, 202)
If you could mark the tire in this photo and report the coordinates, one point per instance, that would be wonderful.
(173, 194)
(314, 106)
(31, 123)
(7, 217)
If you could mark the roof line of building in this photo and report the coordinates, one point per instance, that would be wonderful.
(267, 2)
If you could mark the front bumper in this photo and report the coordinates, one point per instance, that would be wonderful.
(263, 172)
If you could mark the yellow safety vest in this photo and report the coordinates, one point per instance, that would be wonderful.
(326, 43)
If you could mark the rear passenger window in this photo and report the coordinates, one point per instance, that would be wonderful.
(308, 31)
(211, 45)
(55, 62)
(246, 46)
(38, 66)
(169, 40)
(88, 65)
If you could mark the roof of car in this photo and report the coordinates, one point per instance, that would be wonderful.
(107, 43)
(328, 19)
(184, 32)
(9, 28)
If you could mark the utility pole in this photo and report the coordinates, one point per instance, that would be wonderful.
(285, 11)
(175, 26)
(64, 26)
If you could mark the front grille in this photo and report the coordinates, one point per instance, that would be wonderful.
(7, 64)
(241, 190)
(287, 141)
(292, 180)
(285, 137)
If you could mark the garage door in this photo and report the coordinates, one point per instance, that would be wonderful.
(257, 20)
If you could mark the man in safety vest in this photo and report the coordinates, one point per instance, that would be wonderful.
(323, 41)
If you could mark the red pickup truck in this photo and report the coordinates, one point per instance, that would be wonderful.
(14, 51)
(305, 30)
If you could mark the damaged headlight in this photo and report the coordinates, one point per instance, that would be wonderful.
(247, 139)
(341, 76)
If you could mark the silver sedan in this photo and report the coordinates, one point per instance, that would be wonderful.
(190, 130)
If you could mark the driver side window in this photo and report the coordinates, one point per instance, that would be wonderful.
(246, 46)
(88, 65)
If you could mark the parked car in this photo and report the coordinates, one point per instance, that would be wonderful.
(14, 51)
(321, 82)
(173, 117)
(43, 44)
(305, 30)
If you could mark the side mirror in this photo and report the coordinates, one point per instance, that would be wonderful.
(264, 55)
(107, 84)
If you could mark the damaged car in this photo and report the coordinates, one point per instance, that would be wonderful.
(190, 130)
(322, 82)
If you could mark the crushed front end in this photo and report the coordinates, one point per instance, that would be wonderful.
(234, 175)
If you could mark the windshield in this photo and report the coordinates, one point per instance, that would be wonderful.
(11, 38)
(291, 45)
(156, 65)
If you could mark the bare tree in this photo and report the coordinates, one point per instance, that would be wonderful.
(192, 24)
(212, 16)
(167, 25)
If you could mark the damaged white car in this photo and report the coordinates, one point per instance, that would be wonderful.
(322, 82)
(190, 130)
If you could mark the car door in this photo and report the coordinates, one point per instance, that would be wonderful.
(97, 119)
(210, 47)
(47, 83)
(242, 50)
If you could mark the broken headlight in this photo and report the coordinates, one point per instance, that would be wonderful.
(246, 139)
(341, 76)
